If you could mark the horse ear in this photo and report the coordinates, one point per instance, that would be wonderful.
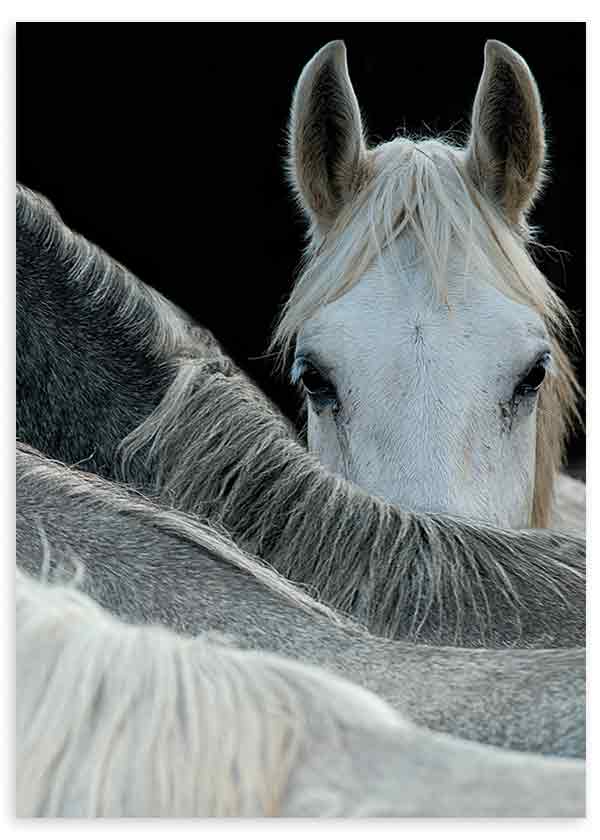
(506, 152)
(327, 151)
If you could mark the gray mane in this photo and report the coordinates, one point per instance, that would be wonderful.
(430, 578)
(149, 565)
(92, 493)
(89, 271)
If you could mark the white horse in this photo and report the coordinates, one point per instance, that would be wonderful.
(429, 346)
(120, 720)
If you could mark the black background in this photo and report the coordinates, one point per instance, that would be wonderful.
(163, 144)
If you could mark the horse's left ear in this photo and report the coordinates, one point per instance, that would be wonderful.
(506, 152)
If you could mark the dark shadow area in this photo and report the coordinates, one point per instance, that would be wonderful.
(163, 144)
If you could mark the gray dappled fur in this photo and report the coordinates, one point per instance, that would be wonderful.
(91, 342)
(102, 358)
(148, 564)
(116, 720)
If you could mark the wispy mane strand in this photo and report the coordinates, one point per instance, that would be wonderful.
(103, 281)
(122, 720)
(201, 534)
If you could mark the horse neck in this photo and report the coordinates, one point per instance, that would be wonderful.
(76, 359)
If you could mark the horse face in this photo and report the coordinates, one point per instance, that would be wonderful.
(428, 405)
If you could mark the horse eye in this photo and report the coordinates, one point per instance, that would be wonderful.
(313, 381)
(316, 385)
(532, 381)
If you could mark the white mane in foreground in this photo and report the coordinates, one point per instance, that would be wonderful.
(118, 720)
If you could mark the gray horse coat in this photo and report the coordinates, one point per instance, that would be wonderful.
(113, 378)
(147, 564)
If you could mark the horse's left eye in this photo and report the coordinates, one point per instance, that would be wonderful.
(315, 384)
(532, 381)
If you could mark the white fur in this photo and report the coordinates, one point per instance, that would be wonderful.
(397, 355)
(116, 720)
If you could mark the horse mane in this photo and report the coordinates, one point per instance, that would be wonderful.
(119, 720)
(125, 720)
(201, 534)
(420, 189)
(100, 280)
(216, 448)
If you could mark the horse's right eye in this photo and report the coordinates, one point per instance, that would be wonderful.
(313, 381)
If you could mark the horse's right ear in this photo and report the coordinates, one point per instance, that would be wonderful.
(327, 151)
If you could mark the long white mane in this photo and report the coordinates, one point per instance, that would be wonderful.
(121, 720)
(112, 718)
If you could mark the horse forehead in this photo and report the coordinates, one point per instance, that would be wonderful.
(383, 315)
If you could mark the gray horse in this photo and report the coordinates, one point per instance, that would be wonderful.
(149, 564)
(116, 720)
(112, 377)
